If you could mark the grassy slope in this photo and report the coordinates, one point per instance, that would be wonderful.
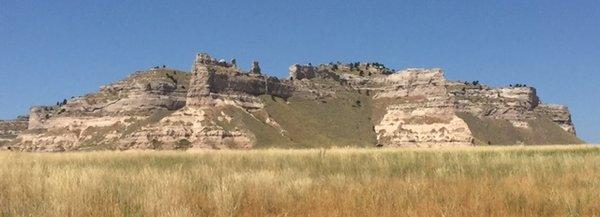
(324, 123)
(306, 123)
(482, 181)
(502, 132)
(266, 136)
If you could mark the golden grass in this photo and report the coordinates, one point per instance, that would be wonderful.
(490, 181)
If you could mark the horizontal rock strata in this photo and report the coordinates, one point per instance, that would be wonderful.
(219, 106)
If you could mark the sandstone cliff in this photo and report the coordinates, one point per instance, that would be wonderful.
(10, 129)
(217, 105)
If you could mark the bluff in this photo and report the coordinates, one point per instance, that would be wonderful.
(220, 106)
(10, 129)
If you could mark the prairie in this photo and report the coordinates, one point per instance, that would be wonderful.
(481, 181)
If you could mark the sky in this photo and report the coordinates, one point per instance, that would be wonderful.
(52, 50)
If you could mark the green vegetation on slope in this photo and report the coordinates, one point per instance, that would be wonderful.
(502, 132)
(266, 136)
(341, 121)
(305, 123)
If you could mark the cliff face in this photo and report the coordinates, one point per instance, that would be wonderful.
(558, 114)
(419, 111)
(217, 106)
(11, 128)
(215, 82)
(98, 119)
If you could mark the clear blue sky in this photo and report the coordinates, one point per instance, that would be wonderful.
(51, 50)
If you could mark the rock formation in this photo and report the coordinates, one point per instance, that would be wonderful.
(10, 129)
(217, 106)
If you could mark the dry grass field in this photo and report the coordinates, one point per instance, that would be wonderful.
(485, 181)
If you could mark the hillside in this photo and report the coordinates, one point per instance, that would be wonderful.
(219, 106)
